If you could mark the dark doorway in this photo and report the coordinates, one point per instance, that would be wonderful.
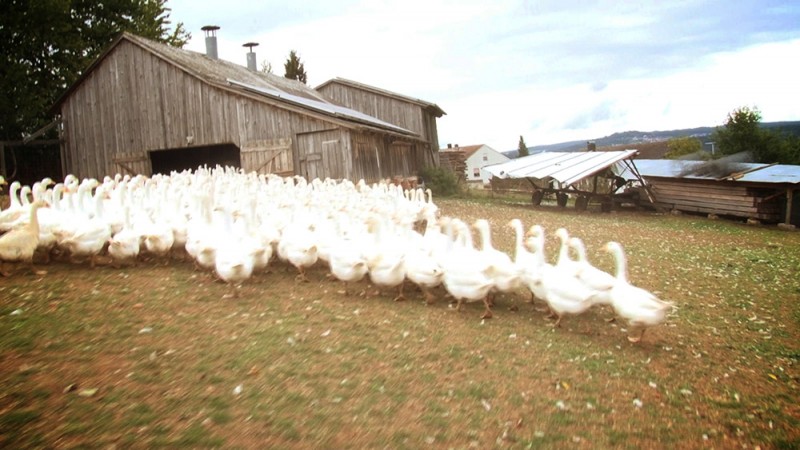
(166, 161)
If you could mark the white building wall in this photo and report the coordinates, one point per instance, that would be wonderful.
(484, 156)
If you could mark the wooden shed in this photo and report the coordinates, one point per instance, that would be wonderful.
(145, 107)
(410, 113)
(764, 192)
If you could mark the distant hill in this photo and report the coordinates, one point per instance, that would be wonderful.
(644, 139)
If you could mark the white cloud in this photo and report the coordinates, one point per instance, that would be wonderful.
(547, 70)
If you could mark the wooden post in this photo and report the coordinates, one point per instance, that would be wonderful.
(789, 193)
(3, 159)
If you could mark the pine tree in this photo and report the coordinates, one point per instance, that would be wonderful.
(295, 69)
(523, 149)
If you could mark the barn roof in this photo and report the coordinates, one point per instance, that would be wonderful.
(709, 170)
(433, 107)
(564, 167)
(229, 75)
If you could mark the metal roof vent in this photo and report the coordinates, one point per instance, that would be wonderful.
(251, 56)
(211, 40)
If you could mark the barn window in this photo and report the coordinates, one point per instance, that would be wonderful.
(166, 161)
(476, 172)
(485, 158)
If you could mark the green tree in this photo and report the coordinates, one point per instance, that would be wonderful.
(741, 133)
(295, 69)
(48, 43)
(682, 146)
(522, 148)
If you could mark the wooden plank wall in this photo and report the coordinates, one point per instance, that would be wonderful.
(375, 158)
(404, 114)
(135, 102)
(716, 197)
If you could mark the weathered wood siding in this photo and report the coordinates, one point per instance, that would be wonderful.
(374, 157)
(716, 197)
(134, 103)
(399, 112)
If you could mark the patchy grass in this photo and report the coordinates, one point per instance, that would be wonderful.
(317, 369)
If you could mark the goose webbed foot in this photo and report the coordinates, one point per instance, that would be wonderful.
(636, 339)
(301, 277)
(400, 297)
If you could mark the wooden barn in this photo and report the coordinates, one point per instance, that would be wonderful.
(145, 107)
(410, 113)
(763, 192)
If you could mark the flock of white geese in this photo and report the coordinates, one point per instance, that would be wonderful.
(237, 224)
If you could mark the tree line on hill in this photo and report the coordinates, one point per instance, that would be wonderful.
(742, 133)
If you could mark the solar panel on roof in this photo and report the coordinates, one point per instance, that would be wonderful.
(328, 108)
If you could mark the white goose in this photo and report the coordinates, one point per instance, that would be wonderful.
(234, 261)
(386, 258)
(464, 268)
(124, 246)
(15, 211)
(539, 265)
(420, 265)
(595, 279)
(346, 258)
(18, 245)
(92, 234)
(564, 293)
(502, 270)
(639, 307)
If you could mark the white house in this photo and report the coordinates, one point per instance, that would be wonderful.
(476, 158)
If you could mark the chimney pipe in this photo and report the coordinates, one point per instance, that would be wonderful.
(251, 56)
(211, 40)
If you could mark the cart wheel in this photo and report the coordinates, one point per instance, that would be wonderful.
(536, 198)
(561, 199)
(581, 203)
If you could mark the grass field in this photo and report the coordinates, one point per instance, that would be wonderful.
(153, 356)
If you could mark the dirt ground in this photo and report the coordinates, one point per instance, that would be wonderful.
(154, 356)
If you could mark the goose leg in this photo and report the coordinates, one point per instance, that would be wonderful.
(558, 322)
(429, 297)
(302, 275)
(488, 313)
(4, 272)
(400, 297)
(459, 303)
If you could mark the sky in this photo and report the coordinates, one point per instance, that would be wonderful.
(550, 71)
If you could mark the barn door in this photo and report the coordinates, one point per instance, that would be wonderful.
(131, 164)
(320, 154)
(268, 156)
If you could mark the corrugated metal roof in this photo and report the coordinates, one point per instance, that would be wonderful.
(221, 72)
(702, 170)
(324, 107)
(439, 112)
(565, 167)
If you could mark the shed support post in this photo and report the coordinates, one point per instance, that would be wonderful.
(3, 159)
(789, 194)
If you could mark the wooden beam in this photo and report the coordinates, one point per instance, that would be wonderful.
(789, 193)
(40, 131)
(3, 159)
